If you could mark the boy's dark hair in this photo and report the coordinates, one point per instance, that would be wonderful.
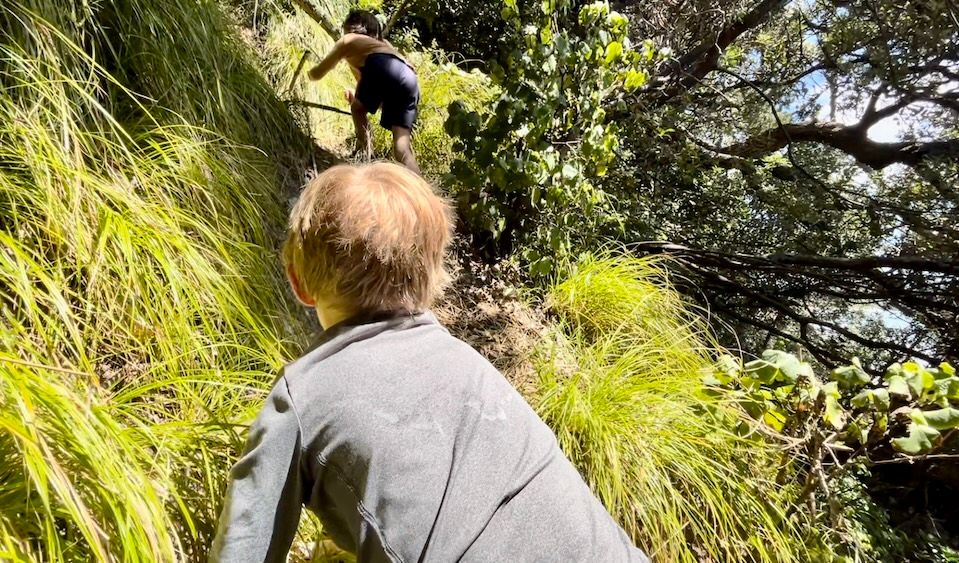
(364, 23)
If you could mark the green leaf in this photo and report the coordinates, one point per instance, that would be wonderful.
(546, 36)
(876, 398)
(634, 79)
(948, 388)
(919, 439)
(775, 419)
(919, 381)
(613, 51)
(762, 370)
(851, 376)
(786, 366)
(834, 414)
(897, 386)
(942, 419)
(831, 389)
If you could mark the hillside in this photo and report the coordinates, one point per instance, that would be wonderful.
(147, 167)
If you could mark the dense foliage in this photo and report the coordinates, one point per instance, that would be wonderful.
(144, 164)
(798, 157)
(531, 162)
(833, 433)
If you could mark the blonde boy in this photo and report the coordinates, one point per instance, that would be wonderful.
(406, 442)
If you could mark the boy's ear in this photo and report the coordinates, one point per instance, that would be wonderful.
(301, 295)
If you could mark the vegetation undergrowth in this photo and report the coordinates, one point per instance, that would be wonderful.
(142, 306)
(621, 384)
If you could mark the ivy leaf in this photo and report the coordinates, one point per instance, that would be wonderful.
(775, 418)
(788, 365)
(919, 439)
(918, 378)
(761, 370)
(948, 388)
(634, 80)
(834, 416)
(942, 419)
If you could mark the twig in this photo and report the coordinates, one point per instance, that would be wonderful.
(296, 73)
(319, 106)
(914, 459)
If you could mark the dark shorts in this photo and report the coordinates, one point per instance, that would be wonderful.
(389, 82)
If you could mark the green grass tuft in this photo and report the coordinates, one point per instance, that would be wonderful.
(620, 385)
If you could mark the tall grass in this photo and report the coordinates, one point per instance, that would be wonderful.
(620, 385)
(141, 307)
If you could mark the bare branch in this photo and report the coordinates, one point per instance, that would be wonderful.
(738, 286)
(852, 140)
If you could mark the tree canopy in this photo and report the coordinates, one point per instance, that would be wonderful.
(797, 158)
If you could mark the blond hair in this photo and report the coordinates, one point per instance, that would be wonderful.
(372, 237)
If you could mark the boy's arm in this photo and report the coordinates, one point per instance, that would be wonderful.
(326, 65)
(262, 509)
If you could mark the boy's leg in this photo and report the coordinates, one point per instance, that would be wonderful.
(361, 122)
(403, 148)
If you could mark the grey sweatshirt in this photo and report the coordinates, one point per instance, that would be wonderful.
(409, 446)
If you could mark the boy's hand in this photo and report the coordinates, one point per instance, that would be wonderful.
(350, 95)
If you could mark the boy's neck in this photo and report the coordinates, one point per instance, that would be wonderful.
(330, 315)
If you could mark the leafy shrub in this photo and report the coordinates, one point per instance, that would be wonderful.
(531, 162)
(835, 430)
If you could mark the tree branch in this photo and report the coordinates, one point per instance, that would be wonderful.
(690, 68)
(395, 16)
(325, 22)
(850, 139)
(740, 285)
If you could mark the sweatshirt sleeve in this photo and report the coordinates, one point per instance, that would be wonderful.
(262, 508)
